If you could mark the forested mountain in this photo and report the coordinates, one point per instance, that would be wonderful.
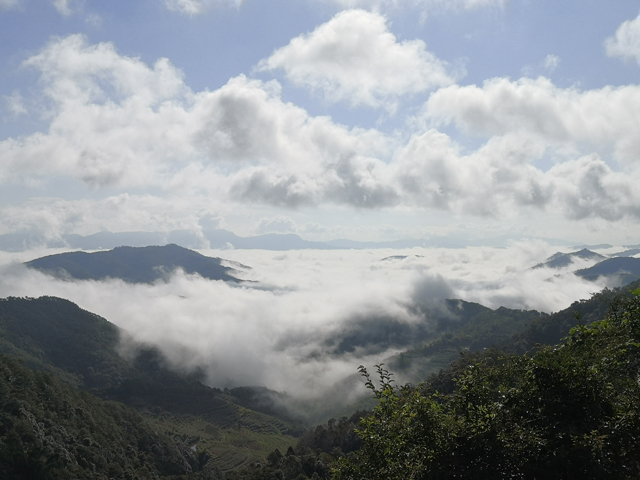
(621, 268)
(49, 429)
(566, 411)
(179, 426)
(132, 264)
(471, 327)
(79, 347)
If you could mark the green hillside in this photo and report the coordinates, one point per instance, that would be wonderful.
(56, 336)
(569, 411)
(176, 425)
(474, 328)
(49, 430)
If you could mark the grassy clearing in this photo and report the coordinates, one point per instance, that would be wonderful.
(230, 447)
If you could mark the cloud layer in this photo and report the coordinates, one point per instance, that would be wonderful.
(626, 41)
(311, 317)
(118, 124)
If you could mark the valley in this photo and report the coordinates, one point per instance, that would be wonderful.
(219, 432)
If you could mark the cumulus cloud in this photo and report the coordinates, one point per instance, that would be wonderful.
(354, 58)
(601, 118)
(117, 122)
(47, 220)
(626, 41)
(588, 187)
(15, 104)
(492, 181)
(110, 116)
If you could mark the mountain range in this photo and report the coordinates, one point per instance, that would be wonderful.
(225, 239)
(620, 269)
(153, 263)
(73, 399)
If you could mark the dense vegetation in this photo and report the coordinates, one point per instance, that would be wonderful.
(132, 264)
(312, 457)
(474, 327)
(51, 430)
(55, 335)
(568, 412)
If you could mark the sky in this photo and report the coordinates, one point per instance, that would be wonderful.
(360, 119)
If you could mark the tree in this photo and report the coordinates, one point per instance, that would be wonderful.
(568, 412)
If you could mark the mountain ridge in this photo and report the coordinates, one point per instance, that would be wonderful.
(132, 264)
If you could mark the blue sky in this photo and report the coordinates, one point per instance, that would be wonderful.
(370, 120)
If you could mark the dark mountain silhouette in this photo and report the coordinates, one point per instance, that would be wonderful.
(560, 260)
(628, 253)
(627, 269)
(132, 264)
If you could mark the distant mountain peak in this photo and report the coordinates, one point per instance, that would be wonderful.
(561, 260)
(132, 264)
(626, 269)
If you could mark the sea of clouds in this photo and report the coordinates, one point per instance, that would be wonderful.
(280, 327)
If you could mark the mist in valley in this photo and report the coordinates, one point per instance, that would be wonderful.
(303, 321)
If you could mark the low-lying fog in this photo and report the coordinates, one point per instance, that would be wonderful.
(282, 328)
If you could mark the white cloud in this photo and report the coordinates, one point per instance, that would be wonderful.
(94, 20)
(496, 180)
(284, 333)
(588, 187)
(196, 7)
(626, 42)
(605, 118)
(51, 218)
(117, 122)
(354, 58)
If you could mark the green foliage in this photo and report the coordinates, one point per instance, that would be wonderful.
(551, 329)
(476, 328)
(48, 430)
(55, 335)
(312, 457)
(566, 412)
